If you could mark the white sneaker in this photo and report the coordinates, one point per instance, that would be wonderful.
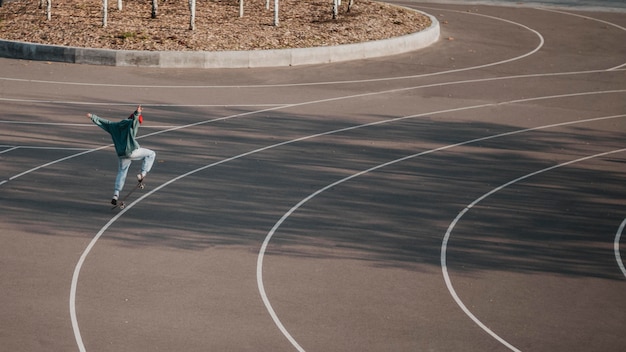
(140, 177)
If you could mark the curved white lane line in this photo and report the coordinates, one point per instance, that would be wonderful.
(34, 123)
(13, 122)
(444, 245)
(79, 265)
(537, 48)
(53, 162)
(334, 99)
(143, 136)
(10, 148)
(593, 19)
(343, 98)
(37, 147)
(275, 108)
(271, 233)
(115, 218)
(74, 285)
(288, 105)
(618, 257)
(40, 101)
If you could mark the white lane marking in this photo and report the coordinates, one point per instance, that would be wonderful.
(73, 287)
(349, 97)
(39, 101)
(181, 127)
(88, 249)
(78, 267)
(328, 100)
(54, 162)
(34, 123)
(271, 233)
(539, 46)
(146, 135)
(593, 19)
(444, 245)
(7, 150)
(618, 257)
(38, 147)
(311, 103)
(288, 105)
(530, 4)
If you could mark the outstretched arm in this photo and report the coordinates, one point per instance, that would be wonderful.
(102, 123)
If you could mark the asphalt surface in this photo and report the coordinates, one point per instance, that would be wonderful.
(468, 196)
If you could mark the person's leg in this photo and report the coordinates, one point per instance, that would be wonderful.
(122, 170)
(147, 156)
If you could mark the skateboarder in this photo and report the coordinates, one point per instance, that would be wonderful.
(124, 135)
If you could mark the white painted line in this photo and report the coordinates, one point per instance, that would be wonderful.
(54, 162)
(40, 147)
(146, 135)
(145, 125)
(289, 105)
(619, 67)
(39, 101)
(92, 243)
(8, 150)
(264, 297)
(10, 122)
(577, 5)
(81, 260)
(87, 250)
(541, 42)
(302, 202)
(618, 257)
(444, 245)
(343, 98)
(539, 46)
(593, 19)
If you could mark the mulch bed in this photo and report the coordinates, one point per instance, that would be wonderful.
(218, 27)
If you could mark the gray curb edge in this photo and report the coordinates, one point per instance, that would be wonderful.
(222, 59)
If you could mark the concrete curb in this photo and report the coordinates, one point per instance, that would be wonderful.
(222, 59)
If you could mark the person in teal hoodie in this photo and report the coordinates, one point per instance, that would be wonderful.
(124, 135)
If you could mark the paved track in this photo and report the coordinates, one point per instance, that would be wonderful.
(466, 197)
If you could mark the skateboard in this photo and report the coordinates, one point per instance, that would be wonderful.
(120, 202)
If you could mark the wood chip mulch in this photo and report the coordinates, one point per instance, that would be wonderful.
(218, 26)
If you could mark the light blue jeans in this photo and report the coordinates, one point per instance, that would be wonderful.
(144, 154)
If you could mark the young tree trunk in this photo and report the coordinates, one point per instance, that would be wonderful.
(105, 13)
(155, 8)
(119, 5)
(335, 9)
(49, 9)
(276, 13)
(350, 3)
(240, 8)
(192, 16)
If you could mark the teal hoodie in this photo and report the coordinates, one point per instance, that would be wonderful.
(123, 133)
